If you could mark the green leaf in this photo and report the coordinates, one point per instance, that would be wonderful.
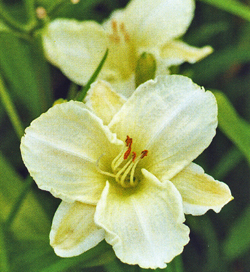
(235, 7)
(118, 266)
(83, 92)
(31, 221)
(10, 110)
(25, 73)
(65, 264)
(229, 161)
(237, 242)
(219, 62)
(4, 262)
(234, 127)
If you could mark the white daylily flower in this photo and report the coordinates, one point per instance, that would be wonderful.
(130, 179)
(143, 26)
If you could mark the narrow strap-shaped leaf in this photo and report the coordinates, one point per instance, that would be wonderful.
(232, 6)
(83, 92)
(235, 128)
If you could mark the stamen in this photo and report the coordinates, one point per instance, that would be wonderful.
(144, 153)
(122, 181)
(122, 170)
(125, 175)
(133, 156)
(114, 26)
(133, 182)
(124, 32)
(122, 156)
(114, 36)
(128, 142)
(117, 160)
(101, 171)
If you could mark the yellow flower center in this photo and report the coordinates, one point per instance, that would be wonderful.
(122, 54)
(123, 166)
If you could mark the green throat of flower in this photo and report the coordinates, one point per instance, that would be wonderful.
(123, 166)
(122, 53)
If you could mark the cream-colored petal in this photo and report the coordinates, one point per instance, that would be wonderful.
(171, 117)
(103, 100)
(73, 229)
(176, 52)
(199, 191)
(143, 224)
(151, 23)
(75, 47)
(125, 87)
(61, 149)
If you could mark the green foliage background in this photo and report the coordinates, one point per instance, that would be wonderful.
(28, 87)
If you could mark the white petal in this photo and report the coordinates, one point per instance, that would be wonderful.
(104, 101)
(152, 23)
(144, 224)
(75, 47)
(125, 87)
(199, 191)
(177, 52)
(73, 229)
(171, 117)
(61, 148)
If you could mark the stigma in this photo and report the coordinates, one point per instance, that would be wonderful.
(124, 165)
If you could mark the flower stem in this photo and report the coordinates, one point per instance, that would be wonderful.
(84, 90)
(10, 109)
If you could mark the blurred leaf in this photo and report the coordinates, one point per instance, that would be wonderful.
(30, 255)
(233, 6)
(235, 128)
(11, 110)
(229, 161)
(31, 219)
(102, 259)
(4, 27)
(219, 62)
(65, 9)
(206, 32)
(25, 73)
(237, 242)
(64, 264)
(118, 266)
(4, 263)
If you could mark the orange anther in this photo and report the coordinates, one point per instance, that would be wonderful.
(133, 156)
(144, 153)
(128, 141)
(125, 33)
(114, 26)
(126, 154)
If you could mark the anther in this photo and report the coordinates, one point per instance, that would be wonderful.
(133, 156)
(144, 153)
(124, 32)
(114, 26)
(114, 36)
(128, 142)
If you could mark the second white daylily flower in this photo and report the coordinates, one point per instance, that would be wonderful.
(143, 26)
(130, 179)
